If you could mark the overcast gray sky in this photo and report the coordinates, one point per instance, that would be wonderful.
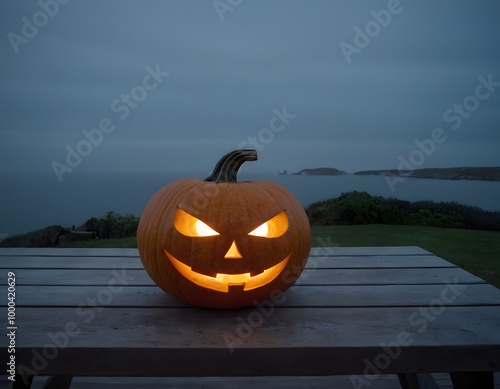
(296, 76)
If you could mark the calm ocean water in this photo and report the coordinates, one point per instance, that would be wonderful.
(32, 201)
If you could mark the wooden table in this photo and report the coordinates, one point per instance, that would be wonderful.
(356, 311)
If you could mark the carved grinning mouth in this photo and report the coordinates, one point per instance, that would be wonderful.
(222, 282)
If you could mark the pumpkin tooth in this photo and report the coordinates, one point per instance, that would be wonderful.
(204, 272)
(236, 288)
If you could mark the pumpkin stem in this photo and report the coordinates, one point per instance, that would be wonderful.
(227, 167)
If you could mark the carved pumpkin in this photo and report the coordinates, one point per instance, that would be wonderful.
(220, 243)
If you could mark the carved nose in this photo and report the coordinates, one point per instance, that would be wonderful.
(233, 252)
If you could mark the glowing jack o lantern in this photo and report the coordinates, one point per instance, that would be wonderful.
(221, 243)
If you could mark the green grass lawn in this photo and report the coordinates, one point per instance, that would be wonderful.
(476, 251)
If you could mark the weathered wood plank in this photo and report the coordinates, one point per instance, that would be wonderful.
(386, 250)
(329, 382)
(393, 261)
(331, 328)
(300, 296)
(384, 381)
(422, 276)
(410, 276)
(281, 327)
(122, 252)
(77, 277)
(379, 261)
(68, 252)
(301, 341)
(27, 262)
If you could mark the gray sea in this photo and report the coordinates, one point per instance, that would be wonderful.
(32, 201)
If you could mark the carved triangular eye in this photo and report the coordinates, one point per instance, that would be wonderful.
(273, 228)
(261, 230)
(191, 226)
(204, 230)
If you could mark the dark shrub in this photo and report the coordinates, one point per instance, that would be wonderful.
(361, 208)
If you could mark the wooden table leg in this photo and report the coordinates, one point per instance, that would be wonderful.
(472, 380)
(58, 382)
(417, 381)
(22, 381)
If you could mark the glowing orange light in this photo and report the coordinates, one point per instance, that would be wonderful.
(203, 230)
(233, 252)
(222, 282)
(191, 226)
(261, 230)
(273, 228)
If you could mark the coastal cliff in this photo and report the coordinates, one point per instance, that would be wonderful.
(454, 173)
(322, 171)
(457, 173)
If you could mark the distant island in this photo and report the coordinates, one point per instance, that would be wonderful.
(322, 171)
(454, 173)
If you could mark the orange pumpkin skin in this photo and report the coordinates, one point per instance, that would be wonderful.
(232, 210)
